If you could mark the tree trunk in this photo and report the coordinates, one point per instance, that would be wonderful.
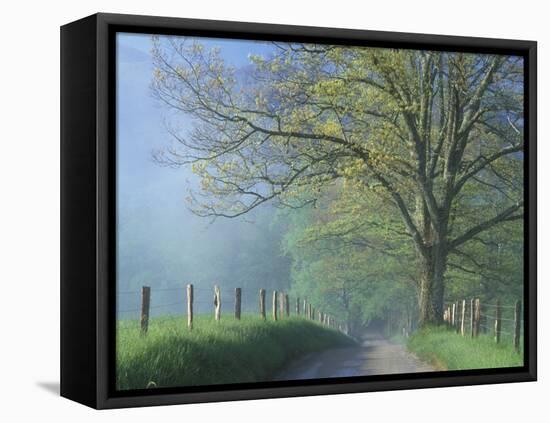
(432, 263)
(432, 285)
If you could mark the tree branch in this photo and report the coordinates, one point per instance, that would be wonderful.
(482, 162)
(504, 216)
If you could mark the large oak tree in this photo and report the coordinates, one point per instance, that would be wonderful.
(438, 136)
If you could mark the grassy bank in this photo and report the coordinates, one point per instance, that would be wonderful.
(449, 351)
(228, 351)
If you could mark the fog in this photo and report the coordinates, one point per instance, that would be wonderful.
(160, 243)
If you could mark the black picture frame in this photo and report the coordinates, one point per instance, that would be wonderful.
(88, 210)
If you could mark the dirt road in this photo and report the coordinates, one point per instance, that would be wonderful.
(376, 355)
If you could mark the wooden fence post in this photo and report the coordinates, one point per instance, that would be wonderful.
(457, 320)
(453, 314)
(190, 306)
(217, 303)
(238, 293)
(457, 317)
(274, 305)
(471, 317)
(463, 315)
(262, 303)
(498, 322)
(145, 304)
(298, 306)
(287, 305)
(477, 316)
(517, 325)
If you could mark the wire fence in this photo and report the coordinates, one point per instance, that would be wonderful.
(190, 301)
(472, 317)
(170, 301)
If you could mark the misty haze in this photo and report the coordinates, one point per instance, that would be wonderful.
(296, 211)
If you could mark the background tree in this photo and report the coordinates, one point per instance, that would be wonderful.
(353, 283)
(438, 136)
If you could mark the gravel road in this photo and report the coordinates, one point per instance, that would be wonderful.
(375, 355)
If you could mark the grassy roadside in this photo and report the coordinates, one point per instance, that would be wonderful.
(447, 350)
(228, 351)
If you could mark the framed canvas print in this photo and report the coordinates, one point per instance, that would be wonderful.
(255, 211)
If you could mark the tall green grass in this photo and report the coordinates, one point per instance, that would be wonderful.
(228, 351)
(448, 350)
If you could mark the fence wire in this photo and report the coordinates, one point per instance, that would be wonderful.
(489, 314)
(163, 303)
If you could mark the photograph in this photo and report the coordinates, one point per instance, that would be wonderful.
(255, 212)
(290, 211)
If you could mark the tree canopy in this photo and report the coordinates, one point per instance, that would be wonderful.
(410, 154)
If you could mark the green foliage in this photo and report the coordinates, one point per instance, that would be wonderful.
(229, 351)
(412, 161)
(489, 268)
(347, 259)
(451, 351)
